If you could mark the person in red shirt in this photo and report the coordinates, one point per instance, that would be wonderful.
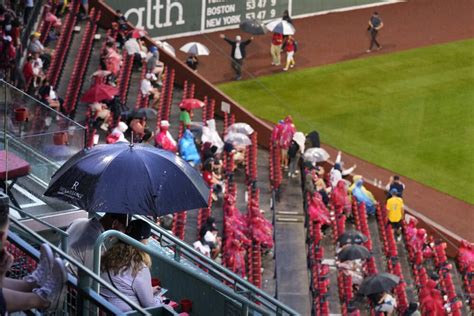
(290, 48)
(28, 70)
(275, 49)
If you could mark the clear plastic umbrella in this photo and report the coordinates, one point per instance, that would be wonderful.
(195, 48)
(168, 48)
(242, 128)
(316, 155)
(238, 139)
(281, 27)
(300, 139)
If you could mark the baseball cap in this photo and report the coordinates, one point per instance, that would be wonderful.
(139, 230)
(238, 38)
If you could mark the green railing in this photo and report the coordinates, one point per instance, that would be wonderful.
(81, 299)
(182, 257)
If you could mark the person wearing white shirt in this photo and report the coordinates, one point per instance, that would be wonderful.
(238, 53)
(337, 173)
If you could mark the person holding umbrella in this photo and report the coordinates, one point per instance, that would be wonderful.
(237, 53)
(386, 304)
(192, 62)
(83, 233)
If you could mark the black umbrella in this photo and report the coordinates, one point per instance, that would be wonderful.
(378, 283)
(253, 26)
(139, 113)
(145, 112)
(353, 252)
(129, 179)
(352, 237)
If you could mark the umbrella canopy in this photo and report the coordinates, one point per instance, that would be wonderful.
(168, 48)
(242, 128)
(238, 139)
(148, 113)
(190, 104)
(129, 179)
(195, 48)
(378, 283)
(253, 26)
(281, 27)
(352, 237)
(300, 139)
(99, 92)
(353, 252)
(315, 155)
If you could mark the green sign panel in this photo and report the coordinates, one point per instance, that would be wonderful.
(167, 18)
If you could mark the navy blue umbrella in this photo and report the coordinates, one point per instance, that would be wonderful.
(130, 179)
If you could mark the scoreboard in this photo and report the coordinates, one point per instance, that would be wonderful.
(171, 18)
(222, 13)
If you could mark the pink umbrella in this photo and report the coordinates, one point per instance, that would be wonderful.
(189, 104)
(99, 92)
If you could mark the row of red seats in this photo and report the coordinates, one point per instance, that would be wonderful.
(465, 262)
(276, 174)
(140, 102)
(418, 250)
(253, 259)
(360, 218)
(445, 278)
(62, 46)
(81, 63)
(179, 223)
(166, 97)
(251, 160)
(391, 253)
(124, 76)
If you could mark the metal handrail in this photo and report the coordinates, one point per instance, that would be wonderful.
(259, 295)
(246, 303)
(83, 286)
(64, 235)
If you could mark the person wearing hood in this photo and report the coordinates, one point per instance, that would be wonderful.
(164, 139)
(287, 131)
(211, 135)
(188, 150)
(337, 173)
(362, 195)
(294, 153)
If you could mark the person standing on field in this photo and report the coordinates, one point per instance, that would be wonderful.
(237, 53)
(375, 24)
(275, 49)
(290, 47)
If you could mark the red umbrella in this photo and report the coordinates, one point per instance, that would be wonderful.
(99, 92)
(189, 104)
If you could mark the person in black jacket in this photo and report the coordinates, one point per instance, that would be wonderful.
(237, 53)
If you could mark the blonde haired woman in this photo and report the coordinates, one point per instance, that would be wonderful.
(128, 270)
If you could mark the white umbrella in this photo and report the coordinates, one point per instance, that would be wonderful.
(242, 128)
(238, 139)
(315, 155)
(195, 48)
(300, 139)
(281, 27)
(168, 48)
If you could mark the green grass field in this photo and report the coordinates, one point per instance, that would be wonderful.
(410, 112)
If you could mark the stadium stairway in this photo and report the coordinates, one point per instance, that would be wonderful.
(291, 266)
